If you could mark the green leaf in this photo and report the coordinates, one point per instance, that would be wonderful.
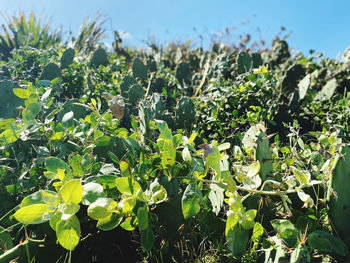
(53, 164)
(110, 222)
(129, 223)
(21, 93)
(71, 192)
(165, 132)
(91, 192)
(300, 176)
(319, 242)
(325, 242)
(232, 219)
(142, 217)
(75, 162)
(68, 232)
(248, 219)
(147, 239)
(33, 214)
(31, 111)
(127, 204)
(127, 185)
(258, 231)
(156, 193)
(237, 239)
(191, 201)
(100, 208)
(282, 224)
(67, 117)
(308, 202)
(11, 135)
(253, 169)
(168, 154)
(287, 231)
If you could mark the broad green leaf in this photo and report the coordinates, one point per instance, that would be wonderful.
(21, 93)
(71, 192)
(235, 204)
(110, 222)
(127, 204)
(308, 202)
(34, 198)
(248, 219)
(168, 154)
(319, 242)
(325, 242)
(253, 169)
(68, 210)
(147, 239)
(300, 176)
(282, 224)
(50, 198)
(100, 208)
(11, 135)
(31, 111)
(55, 218)
(52, 164)
(142, 217)
(232, 219)
(127, 185)
(68, 232)
(129, 223)
(258, 231)
(67, 117)
(165, 132)
(33, 214)
(191, 201)
(75, 162)
(237, 239)
(156, 193)
(124, 166)
(287, 231)
(91, 192)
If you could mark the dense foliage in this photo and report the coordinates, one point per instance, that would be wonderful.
(183, 155)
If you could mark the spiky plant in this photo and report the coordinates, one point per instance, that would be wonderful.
(20, 31)
(91, 31)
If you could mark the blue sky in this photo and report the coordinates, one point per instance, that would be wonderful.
(322, 25)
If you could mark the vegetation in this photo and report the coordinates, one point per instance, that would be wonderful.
(183, 155)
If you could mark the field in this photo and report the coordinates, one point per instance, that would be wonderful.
(174, 154)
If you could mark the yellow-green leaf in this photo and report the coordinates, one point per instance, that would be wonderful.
(33, 214)
(68, 232)
(299, 175)
(248, 219)
(99, 209)
(72, 192)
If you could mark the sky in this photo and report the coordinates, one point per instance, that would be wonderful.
(322, 25)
